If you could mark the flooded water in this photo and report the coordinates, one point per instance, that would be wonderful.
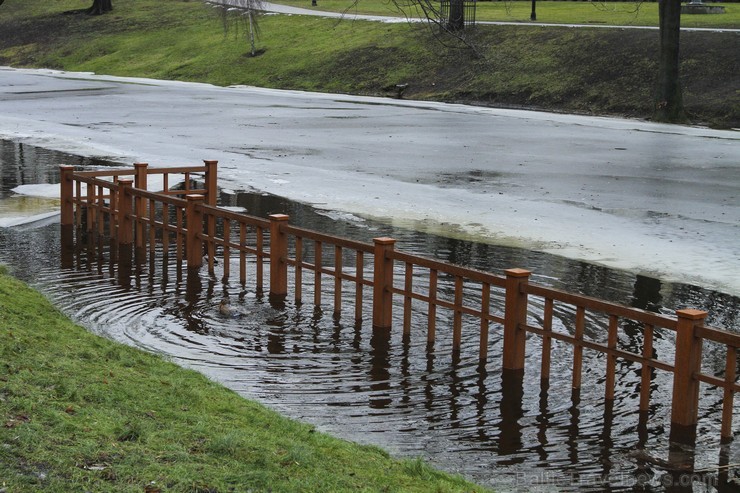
(379, 387)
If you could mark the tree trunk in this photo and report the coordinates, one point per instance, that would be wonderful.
(668, 99)
(100, 7)
(456, 20)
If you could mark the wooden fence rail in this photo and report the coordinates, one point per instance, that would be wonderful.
(390, 279)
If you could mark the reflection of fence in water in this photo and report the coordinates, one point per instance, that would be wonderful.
(422, 294)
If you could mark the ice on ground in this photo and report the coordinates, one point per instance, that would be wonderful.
(35, 219)
(649, 198)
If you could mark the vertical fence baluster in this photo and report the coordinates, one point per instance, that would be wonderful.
(457, 315)
(178, 233)
(101, 208)
(646, 371)
(165, 229)
(260, 260)
(546, 341)
(227, 249)
(337, 280)
(485, 308)
(78, 203)
(90, 207)
(298, 269)
(432, 310)
(242, 253)
(408, 288)
(210, 243)
(728, 397)
(611, 359)
(318, 265)
(578, 348)
(359, 275)
(152, 224)
(113, 207)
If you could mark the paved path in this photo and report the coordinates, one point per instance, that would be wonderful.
(286, 9)
(657, 199)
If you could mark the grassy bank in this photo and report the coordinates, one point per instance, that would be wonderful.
(81, 413)
(591, 71)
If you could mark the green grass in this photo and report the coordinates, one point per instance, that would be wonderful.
(591, 71)
(566, 12)
(82, 413)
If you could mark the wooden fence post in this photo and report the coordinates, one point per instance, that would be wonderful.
(66, 194)
(515, 337)
(685, 406)
(383, 283)
(211, 182)
(211, 199)
(140, 175)
(278, 257)
(194, 226)
(140, 182)
(90, 202)
(125, 209)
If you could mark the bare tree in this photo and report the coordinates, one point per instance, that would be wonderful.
(238, 12)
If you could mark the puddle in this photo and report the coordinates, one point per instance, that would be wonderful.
(378, 387)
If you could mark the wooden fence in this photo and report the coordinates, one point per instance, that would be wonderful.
(189, 221)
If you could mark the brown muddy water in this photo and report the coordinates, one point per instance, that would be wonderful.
(381, 388)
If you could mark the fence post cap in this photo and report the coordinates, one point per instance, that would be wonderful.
(195, 197)
(209, 161)
(516, 272)
(125, 181)
(139, 165)
(691, 314)
(279, 217)
(66, 167)
(384, 240)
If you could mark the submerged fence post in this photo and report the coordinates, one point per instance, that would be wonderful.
(211, 199)
(685, 406)
(66, 194)
(194, 226)
(125, 209)
(278, 257)
(211, 182)
(383, 283)
(90, 209)
(140, 182)
(515, 316)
